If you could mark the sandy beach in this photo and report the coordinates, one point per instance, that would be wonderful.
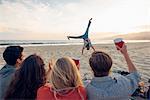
(139, 53)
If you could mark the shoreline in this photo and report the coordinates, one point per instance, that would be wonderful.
(64, 42)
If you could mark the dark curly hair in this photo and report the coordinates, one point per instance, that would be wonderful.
(27, 79)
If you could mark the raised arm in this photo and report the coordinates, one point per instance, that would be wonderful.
(130, 64)
(134, 77)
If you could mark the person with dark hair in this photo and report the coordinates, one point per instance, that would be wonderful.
(27, 79)
(87, 41)
(13, 56)
(106, 86)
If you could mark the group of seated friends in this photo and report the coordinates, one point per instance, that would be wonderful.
(27, 79)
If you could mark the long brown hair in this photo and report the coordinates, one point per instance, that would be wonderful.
(27, 79)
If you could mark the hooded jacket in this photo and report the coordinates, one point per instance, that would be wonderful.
(6, 74)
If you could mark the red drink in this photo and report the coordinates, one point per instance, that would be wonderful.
(119, 42)
(77, 62)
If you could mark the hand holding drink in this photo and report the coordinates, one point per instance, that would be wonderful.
(119, 42)
(120, 45)
(77, 62)
(123, 50)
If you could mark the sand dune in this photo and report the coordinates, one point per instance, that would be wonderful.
(128, 36)
(134, 36)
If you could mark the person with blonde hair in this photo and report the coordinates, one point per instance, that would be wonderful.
(65, 82)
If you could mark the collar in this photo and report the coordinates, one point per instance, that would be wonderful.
(102, 79)
(9, 66)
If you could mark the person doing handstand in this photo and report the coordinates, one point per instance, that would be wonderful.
(87, 42)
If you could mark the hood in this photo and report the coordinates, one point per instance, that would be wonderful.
(7, 70)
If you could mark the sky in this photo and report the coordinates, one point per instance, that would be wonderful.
(55, 19)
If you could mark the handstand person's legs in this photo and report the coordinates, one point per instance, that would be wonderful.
(85, 35)
(87, 29)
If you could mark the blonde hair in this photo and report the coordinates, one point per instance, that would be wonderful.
(65, 74)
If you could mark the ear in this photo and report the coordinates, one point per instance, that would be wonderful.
(18, 61)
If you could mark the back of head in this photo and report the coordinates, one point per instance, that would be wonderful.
(12, 53)
(33, 67)
(27, 79)
(100, 62)
(65, 74)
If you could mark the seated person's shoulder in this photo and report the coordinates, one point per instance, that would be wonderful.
(82, 88)
(82, 91)
(130, 79)
(44, 88)
(132, 75)
(7, 72)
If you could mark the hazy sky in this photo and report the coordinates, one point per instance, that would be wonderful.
(55, 19)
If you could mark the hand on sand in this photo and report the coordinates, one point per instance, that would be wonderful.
(68, 37)
(123, 50)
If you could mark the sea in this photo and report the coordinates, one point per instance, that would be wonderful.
(25, 43)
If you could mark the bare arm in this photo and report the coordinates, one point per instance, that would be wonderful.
(83, 50)
(131, 66)
(49, 70)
